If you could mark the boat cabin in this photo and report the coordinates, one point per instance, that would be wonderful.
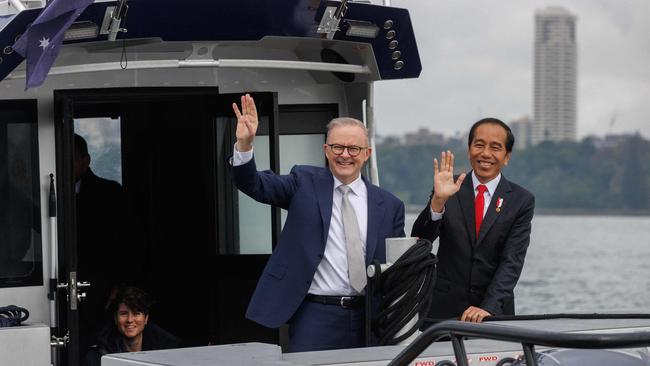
(150, 90)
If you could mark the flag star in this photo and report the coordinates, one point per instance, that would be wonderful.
(44, 43)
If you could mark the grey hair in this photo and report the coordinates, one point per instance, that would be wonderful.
(346, 121)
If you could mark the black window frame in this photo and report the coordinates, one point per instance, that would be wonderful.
(25, 111)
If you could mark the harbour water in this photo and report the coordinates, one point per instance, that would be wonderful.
(584, 264)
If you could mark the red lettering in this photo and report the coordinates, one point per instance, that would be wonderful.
(425, 363)
(487, 358)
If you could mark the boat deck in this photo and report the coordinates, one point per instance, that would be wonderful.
(483, 351)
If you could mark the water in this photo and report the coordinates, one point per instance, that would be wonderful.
(584, 264)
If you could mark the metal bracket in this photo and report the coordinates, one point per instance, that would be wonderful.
(104, 28)
(113, 16)
(60, 342)
(329, 23)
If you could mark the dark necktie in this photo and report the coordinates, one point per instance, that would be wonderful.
(479, 205)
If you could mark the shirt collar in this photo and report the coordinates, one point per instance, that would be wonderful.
(491, 185)
(355, 186)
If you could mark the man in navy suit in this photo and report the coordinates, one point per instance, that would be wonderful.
(312, 279)
(484, 228)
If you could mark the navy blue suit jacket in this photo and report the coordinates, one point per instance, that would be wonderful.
(479, 271)
(306, 193)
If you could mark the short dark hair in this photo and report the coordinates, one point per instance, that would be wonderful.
(80, 146)
(134, 298)
(510, 138)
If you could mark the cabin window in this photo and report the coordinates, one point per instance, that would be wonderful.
(255, 238)
(301, 138)
(20, 214)
(104, 145)
(302, 149)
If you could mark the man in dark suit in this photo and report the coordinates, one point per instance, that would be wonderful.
(484, 228)
(110, 242)
(336, 225)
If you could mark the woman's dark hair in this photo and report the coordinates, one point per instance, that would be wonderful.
(134, 298)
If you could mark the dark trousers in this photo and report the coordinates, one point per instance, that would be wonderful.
(317, 327)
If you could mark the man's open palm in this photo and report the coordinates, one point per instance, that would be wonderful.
(247, 122)
(443, 176)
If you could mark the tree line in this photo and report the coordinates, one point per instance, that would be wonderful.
(563, 176)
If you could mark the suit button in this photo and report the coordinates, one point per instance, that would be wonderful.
(320, 256)
(308, 283)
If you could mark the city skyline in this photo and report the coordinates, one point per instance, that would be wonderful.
(477, 61)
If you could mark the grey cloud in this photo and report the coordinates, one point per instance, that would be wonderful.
(477, 61)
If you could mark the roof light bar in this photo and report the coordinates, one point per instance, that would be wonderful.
(81, 30)
(357, 28)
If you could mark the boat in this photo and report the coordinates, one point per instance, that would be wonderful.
(557, 340)
(162, 75)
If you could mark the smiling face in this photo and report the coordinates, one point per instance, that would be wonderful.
(345, 167)
(487, 151)
(130, 323)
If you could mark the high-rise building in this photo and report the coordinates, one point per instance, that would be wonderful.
(555, 76)
(521, 130)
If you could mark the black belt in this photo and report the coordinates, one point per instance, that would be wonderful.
(346, 302)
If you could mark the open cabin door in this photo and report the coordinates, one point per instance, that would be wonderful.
(68, 310)
(170, 153)
(202, 245)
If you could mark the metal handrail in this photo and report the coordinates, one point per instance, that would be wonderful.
(221, 63)
(457, 330)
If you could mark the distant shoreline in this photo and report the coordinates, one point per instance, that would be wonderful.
(414, 209)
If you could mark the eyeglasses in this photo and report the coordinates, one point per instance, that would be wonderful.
(352, 150)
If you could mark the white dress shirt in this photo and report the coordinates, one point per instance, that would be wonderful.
(241, 157)
(331, 276)
(491, 188)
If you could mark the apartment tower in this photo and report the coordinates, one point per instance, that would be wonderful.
(555, 76)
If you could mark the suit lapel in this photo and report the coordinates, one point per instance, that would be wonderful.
(324, 186)
(502, 191)
(466, 198)
(375, 217)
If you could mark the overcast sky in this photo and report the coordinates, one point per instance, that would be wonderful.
(477, 61)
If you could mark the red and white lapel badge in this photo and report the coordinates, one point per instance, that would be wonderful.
(499, 204)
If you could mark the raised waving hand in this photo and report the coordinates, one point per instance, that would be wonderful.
(247, 123)
(443, 180)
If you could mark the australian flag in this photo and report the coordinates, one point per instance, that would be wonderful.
(41, 41)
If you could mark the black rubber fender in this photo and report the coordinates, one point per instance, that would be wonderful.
(445, 363)
(506, 361)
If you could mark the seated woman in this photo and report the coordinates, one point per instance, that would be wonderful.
(131, 331)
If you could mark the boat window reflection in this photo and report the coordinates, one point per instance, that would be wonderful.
(20, 220)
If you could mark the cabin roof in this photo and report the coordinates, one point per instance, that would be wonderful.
(170, 22)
